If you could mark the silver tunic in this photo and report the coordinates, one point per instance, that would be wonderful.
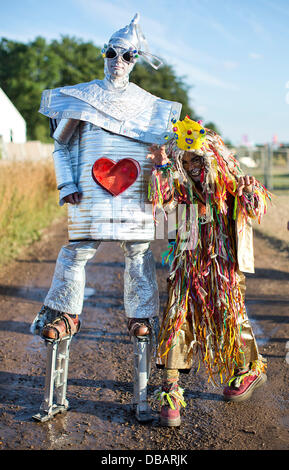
(115, 124)
(132, 112)
(101, 216)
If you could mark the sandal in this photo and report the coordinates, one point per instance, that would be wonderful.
(138, 327)
(64, 325)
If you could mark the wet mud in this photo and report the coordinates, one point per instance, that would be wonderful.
(101, 363)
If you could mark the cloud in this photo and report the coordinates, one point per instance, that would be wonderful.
(184, 60)
(255, 56)
(230, 64)
(204, 76)
(201, 109)
(256, 26)
(221, 30)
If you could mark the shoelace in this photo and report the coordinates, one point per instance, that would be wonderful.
(166, 397)
(239, 379)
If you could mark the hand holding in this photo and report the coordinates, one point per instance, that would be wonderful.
(73, 198)
(245, 183)
(158, 155)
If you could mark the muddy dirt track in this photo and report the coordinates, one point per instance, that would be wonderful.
(100, 368)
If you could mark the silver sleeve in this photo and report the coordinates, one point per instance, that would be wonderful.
(65, 130)
(61, 155)
(62, 165)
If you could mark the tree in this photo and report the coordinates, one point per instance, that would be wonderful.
(27, 69)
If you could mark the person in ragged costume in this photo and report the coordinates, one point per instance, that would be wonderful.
(205, 316)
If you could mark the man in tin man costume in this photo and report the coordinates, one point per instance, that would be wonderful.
(102, 131)
(205, 316)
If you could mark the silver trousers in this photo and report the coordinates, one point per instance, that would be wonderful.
(141, 297)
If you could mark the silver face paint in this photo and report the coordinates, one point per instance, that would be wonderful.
(117, 70)
(131, 38)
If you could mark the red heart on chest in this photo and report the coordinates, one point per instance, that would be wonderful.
(115, 177)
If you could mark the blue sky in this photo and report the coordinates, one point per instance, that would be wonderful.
(233, 54)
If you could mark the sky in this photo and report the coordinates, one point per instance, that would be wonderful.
(232, 54)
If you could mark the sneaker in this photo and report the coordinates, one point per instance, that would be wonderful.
(241, 386)
(170, 417)
(171, 398)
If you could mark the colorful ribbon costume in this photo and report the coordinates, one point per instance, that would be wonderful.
(205, 313)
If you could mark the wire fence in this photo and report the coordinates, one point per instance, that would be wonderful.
(31, 150)
(267, 163)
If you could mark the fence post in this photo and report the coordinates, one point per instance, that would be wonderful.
(268, 154)
(2, 149)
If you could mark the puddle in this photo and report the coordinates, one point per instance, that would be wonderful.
(261, 338)
(285, 421)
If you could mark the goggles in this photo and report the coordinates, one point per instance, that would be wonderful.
(127, 55)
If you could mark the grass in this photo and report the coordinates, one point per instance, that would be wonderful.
(29, 203)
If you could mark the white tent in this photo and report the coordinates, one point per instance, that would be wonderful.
(12, 124)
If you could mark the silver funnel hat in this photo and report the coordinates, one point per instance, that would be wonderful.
(132, 38)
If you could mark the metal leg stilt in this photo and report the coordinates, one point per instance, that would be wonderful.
(57, 360)
(142, 366)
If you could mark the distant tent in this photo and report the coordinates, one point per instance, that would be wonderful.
(12, 124)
